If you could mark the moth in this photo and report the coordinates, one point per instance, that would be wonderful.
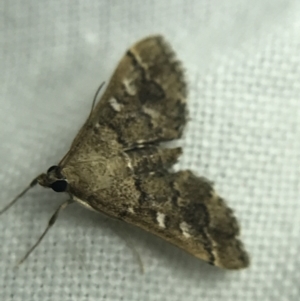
(116, 164)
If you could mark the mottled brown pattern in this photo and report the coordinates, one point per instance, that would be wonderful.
(116, 165)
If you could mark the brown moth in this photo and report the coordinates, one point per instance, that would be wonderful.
(116, 165)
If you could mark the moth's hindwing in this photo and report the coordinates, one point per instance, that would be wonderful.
(117, 167)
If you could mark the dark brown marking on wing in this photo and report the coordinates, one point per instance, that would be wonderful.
(196, 215)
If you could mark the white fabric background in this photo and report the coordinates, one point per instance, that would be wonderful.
(243, 65)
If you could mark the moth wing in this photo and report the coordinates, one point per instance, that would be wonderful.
(182, 209)
(145, 98)
(144, 103)
(185, 210)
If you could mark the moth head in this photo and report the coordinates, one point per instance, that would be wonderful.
(53, 179)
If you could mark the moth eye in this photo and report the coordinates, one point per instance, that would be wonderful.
(59, 185)
(51, 168)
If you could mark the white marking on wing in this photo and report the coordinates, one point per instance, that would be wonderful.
(153, 113)
(185, 228)
(160, 217)
(129, 165)
(128, 161)
(140, 143)
(115, 105)
(131, 210)
(129, 87)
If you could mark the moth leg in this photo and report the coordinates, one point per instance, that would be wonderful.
(124, 235)
(50, 224)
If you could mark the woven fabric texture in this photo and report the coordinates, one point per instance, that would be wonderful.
(242, 61)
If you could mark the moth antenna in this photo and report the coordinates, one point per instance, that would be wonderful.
(96, 96)
(32, 184)
(64, 159)
(50, 224)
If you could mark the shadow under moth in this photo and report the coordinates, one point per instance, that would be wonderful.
(117, 166)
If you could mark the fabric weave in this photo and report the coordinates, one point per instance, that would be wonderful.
(242, 63)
